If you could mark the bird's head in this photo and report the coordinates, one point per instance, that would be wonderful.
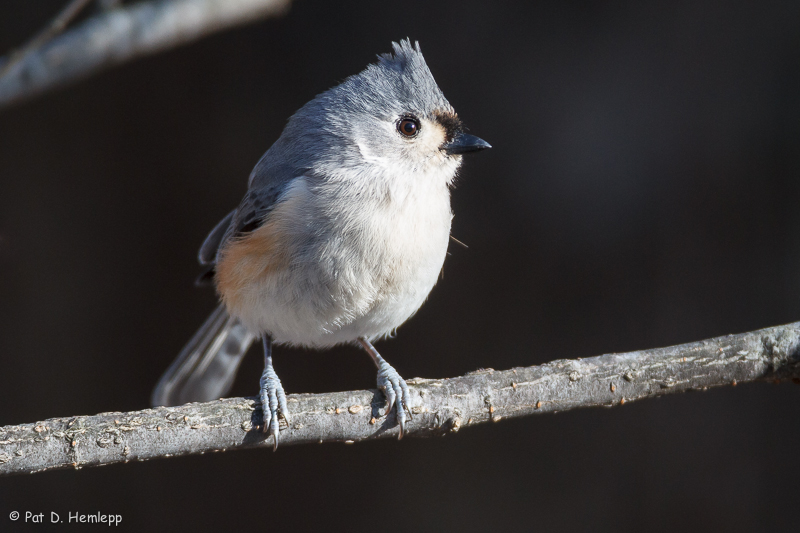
(392, 116)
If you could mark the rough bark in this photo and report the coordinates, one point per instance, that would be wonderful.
(439, 406)
(124, 33)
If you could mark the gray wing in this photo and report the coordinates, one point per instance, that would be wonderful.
(208, 251)
(247, 217)
(254, 207)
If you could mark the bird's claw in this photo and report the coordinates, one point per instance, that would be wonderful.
(396, 392)
(273, 404)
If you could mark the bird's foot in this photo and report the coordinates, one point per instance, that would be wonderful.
(273, 403)
(396, 391)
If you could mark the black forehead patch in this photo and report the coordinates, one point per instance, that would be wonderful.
(450, 122)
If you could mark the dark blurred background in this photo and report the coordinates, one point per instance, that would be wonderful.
(642, 191)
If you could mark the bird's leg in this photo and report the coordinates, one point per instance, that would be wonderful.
(273, 398)
(393, 386)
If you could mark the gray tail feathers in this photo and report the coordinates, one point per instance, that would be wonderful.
(206, 367)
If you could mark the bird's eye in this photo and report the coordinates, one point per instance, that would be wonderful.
(408, 127)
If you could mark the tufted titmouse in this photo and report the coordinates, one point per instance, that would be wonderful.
(340, 237)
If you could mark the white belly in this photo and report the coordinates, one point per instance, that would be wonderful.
(359, 272)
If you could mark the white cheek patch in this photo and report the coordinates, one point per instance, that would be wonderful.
(369, 156)
(373, 154)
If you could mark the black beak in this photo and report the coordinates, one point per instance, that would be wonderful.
(464, 144)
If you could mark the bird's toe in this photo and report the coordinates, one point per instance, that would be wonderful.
(397, 394)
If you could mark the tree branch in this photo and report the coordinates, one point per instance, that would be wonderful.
(121, 34)
(56, 26)
(439, 406)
